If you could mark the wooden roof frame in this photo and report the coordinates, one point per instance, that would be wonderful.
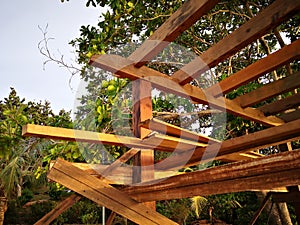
(281, 116)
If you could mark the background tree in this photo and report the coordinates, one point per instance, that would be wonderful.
(20, 157)
(134, 21)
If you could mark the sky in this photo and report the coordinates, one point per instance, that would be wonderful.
(21, 64)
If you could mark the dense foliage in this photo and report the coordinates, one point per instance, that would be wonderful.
(105, 104)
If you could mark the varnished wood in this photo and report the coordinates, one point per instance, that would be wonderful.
(125, 68)
(281, 105)
(179, 21)
(59, 209)
(257, 69)
(256, 27)
(253, 141)
(270, 90)
(103, 194)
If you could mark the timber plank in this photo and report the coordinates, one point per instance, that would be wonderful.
(289, 197)
(256, 27)
(119, 175)
(254, 183)
(257, 69)
(124, 68)
(263, 173)
(172, 130)
(281, 105)
(143, 161)
(105, 195)
(290, 116)
(117, 163)
(181, 20)
(178, 144)
(87, 136)
(246, 143)
(270, 90)
(59, 209)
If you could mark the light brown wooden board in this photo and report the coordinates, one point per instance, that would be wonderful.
(268, 172)
(179, 21)
(257, 69)
(103, 194)
(256, 27)
(124, 68)
(281, 105)
(270, 90)
(172, 130)
(264, 138)
(59, 209)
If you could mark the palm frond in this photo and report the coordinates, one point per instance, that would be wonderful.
(198, 204)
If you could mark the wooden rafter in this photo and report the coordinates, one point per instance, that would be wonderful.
(103, 194)
(270, 90)
(281, 105)
(181, 20)
(125, 68)
(256, 174)
(264, 138)
(117, 163)
(175, 131)
(259, 25)
(257, 69)
(290, 116)
(59, 209)
(91, 137)
(120, 175)
(178, 144)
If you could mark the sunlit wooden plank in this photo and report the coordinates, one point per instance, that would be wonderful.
(256, 27)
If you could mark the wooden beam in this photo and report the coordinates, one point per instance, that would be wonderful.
(124, 68)
(246, 143)
(59, 209)
(257, 69)
(175, 131)
(270, 90)
(111, 218)
(234, 157)
(120, 175)
(290, 116)
(178, 144)
(256, 27)
(181, 20)
(103, 194)
(289, 197)
(281, 105)
(263, 173)
(118, 162)
(87, 136)
(143, 162)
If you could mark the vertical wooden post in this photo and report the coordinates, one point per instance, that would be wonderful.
(142, 110)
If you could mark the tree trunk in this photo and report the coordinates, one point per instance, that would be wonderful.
(284, 214)
(270, 209)
(3, 208)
